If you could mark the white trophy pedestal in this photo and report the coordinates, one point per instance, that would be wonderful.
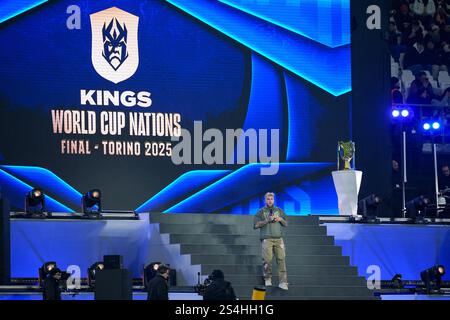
(347, 184)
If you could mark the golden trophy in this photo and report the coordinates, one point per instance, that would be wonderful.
(347, 181)
(346, 152)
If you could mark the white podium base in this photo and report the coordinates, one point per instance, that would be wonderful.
(347, 184)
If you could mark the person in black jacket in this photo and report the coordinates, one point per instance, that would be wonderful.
(396, 190)
(444, 179)
(158, 287)
(52, 290)
(219, 289)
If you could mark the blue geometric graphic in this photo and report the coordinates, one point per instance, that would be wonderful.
(48, 181)
(324, 21)
(11, 8)
(265, 108)
(15, 190)
(301, 124)
(183, 186)
(245, 183)
(286, 44)
(314, 62)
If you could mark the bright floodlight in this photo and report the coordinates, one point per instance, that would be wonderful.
(436, 125)
(395, 113)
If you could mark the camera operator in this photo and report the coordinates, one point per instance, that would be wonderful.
(158, 287)
(218, 289)
(51, 290)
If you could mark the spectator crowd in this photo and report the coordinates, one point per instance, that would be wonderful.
(419, 42)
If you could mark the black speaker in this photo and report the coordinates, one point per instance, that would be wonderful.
(113, 285)
(173, 277)
(112, 262)
(5, 250)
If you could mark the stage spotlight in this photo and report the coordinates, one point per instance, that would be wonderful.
(397, 282)
(35, 202)
(395, 113)
(436, 125)
(416, 208)
(92, 270)
(91, 203)
(431, 126)
(368, 208)
(402, 113)
(150, 272)
(45, 269)
(434, 273)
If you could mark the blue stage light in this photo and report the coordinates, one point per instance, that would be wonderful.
(436, 125)
(91, 203)
(426, 126)
(395, 113)
(402, 113)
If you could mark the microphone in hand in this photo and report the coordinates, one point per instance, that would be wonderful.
(271, 217)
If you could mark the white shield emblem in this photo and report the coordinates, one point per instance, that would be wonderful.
(115, 54)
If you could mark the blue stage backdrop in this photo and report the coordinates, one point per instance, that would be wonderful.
(93, 93)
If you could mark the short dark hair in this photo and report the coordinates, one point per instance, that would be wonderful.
(421, 73)
(54, 272)
(217, 274)
(163, 269)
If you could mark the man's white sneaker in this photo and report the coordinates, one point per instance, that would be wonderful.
(268, 282)
(283, 285)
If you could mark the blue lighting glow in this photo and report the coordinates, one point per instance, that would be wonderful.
(395, 113)
(11, 8)
(48, 181)
(426, 126)
(185, 185)
(405, 113)
(15, 190)
(265, 105)
(297, 55)
(223, 192)
(312, 61)
(324, 21)
(436, 125)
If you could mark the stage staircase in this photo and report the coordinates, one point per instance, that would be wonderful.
(315, 265)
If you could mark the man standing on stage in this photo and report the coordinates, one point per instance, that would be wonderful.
(271, 220)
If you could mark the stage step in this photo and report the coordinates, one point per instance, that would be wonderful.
(293, 270)
(246, 239)
(275, 293)
(311, 291)
(237, 229)
(327, 279)
(271, 297)
(316, 267)
(226, 259)
(197, 218)
(256, 249)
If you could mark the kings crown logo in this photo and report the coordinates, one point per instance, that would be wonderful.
(115, 54)
(115, 43)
